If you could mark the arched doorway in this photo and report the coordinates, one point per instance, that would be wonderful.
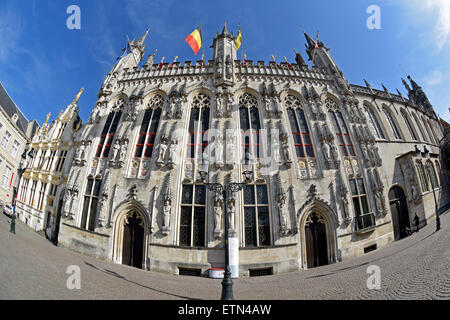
(399, 212)
(316, 240)
(133, 240)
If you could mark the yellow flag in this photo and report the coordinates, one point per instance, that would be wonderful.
(238, 40)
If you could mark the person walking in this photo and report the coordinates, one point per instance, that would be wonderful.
(417, 221)
(13, 223)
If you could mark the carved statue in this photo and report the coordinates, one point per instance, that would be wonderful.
(326, 149)
(219, 105)
(67, 198)
(281, 201)
(95, 117)
(172, 107)
(268, 105)
(229, 70)
(123, 151)
(116, 149)
(230, 102)
(162, 151)
(230, 148)
(166, 212)
(276, 150)
(173, 151)
(219, 150)
(231, 213)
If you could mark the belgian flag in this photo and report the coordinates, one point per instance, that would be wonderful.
(194, 40)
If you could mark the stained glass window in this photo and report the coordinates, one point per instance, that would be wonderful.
(359, 197)
(149, 127)
(250, 127)
(193, 216)
(108, 133)
(256, 216)
(91, 196)
(198, 126)
(299, 127)
(391, 121)
(342, 134)
(376, 127)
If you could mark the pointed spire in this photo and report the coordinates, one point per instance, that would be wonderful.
(413, 83)
(299, 59)
(399, 93)
(408, 88)
(225, 30)
(310, 41)
(367, 84)
(141, 40)
(384, 88)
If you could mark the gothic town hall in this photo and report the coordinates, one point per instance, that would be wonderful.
(331, 169)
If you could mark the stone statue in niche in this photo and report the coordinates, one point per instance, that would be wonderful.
(162, 151)
(173, 152)
(365, 153)
(81, 152)
(229, 69)
(231, 214)
(230, 102)
(281, 202)
(219, 150)
(67, 198)
(167, 210)
(219, 106)
(230, 148)
(179, 107)
(268, 105)
(326, 149)
(172, 107)
(219, 68)
(95, 117)
(277, 103)
(218, 202)
(116, 149)
(123, 152)
(276, 150)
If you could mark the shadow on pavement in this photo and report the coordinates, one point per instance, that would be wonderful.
(115, 274)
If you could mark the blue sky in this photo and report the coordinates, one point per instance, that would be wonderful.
(43, 64)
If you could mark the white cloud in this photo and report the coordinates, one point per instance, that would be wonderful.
(10, 30)
(434, 78)
(439, 12)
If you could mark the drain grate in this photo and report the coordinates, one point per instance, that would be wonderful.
(189, 272)
(370, 248)
(260, 272)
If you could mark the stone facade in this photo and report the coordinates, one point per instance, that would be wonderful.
(45, 180)
(319, 152)
(15, 132)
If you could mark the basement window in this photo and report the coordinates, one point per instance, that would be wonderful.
(189, 272)
(260, 272)
(370, 248)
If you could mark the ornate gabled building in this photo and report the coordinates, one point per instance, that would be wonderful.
(46, 171)
(15, 132)
(330, 167)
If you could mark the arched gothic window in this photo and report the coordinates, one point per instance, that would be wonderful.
(90, 204)
(193, 216)
(422, 176)
(342, 133)
(198, 126)
(299, 127)
(149, 127)
(424, 138)
(373, 120)
(392, 124)
(107, 137)
(256, 216)
(432, 174)
(409, 125)
(430, 133)
(250, 127)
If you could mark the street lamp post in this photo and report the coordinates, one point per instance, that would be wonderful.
(427, 156)
(227, 192)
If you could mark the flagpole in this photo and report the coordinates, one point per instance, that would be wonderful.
(242, 44)
(203, 45)
(137, 64)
